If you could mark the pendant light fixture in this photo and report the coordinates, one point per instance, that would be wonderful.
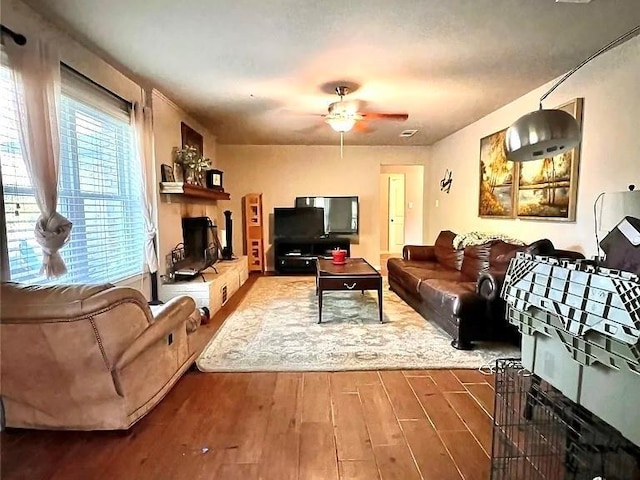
(550, 132)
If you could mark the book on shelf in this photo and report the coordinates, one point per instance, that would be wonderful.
(171, 187)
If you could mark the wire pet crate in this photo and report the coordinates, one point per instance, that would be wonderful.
(539, 434)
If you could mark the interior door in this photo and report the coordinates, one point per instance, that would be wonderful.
(396, 211)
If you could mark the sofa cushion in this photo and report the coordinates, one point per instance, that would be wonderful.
(494, 255)
(450, 297)
(396, 265)
(445, 253)
(502, 253)
(476, 260)
(407, 272)
(441, 274)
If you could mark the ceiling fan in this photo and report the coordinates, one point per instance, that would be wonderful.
(344, 115)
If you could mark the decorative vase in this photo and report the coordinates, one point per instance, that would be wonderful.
(190, 176)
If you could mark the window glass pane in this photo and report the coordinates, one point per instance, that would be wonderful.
(99, 192)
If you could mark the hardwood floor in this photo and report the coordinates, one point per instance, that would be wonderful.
(417, 424)
(383, 261)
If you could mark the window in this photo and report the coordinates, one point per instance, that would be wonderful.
(98, 190)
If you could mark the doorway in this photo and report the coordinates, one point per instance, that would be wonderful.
(401, 208)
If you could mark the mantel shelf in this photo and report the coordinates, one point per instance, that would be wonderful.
(192, 191)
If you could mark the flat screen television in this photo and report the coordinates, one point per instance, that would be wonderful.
(340, 213)
(306, 222)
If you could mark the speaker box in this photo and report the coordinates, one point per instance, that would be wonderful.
(227, 251)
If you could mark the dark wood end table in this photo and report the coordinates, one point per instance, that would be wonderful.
(355, 274)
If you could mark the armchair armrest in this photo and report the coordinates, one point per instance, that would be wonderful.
(171, 316)
(419, 252)
(489, 284)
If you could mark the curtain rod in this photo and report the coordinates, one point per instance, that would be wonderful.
(16, 37)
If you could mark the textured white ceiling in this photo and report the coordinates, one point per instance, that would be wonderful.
(255, 71)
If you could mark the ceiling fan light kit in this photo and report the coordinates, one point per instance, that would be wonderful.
(341, 124)
(342, 115)
(547, 133)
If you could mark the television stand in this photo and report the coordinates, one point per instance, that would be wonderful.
(298, 255)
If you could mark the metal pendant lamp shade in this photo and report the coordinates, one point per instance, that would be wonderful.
(541, 134)
(547, 133)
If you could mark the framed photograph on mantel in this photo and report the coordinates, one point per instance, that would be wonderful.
(548, 188)
(497, 177)
(192, 138)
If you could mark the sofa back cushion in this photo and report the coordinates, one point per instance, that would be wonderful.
(445, 253)
(502, 253)
(494, 256)
(476, 260)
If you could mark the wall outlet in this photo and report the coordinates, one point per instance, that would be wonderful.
(437, 203)
(410, 205)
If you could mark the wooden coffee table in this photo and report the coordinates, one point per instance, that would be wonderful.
(355, 274)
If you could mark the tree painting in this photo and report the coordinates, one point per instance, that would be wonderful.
(547, 188)
(496, 178)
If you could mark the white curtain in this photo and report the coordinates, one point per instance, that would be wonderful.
(36, 73)
(141, 122)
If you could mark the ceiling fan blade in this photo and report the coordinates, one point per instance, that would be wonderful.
(362, 127)
(385, 116)
(311, 129)
(301, 114)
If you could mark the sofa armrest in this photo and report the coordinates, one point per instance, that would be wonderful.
(419, 252)
(173, 314)
(490, 284)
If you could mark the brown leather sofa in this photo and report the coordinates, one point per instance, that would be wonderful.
(90, 357)
(459, 289)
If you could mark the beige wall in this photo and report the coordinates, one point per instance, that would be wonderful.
(610, 153)
(167, 117)
(413, 205)
(281, 173)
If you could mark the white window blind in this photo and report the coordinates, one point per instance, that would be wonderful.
(98, 190)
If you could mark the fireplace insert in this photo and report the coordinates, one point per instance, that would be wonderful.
(199, 250)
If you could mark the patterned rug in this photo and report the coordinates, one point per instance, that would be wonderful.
(275, 329)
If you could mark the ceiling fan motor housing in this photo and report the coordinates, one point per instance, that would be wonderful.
(342, 91)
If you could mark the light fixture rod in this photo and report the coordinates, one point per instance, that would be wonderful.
(608, 46)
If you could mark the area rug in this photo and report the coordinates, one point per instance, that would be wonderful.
(275, 329)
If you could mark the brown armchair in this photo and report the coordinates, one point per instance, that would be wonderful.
(89, 357)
